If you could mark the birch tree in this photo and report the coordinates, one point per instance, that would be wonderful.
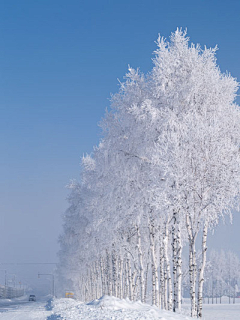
(202, 139)
(165, 171)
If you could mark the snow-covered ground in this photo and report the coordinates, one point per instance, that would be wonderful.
(106, 308)
(25, 311)
(223, 311)
(112, 308)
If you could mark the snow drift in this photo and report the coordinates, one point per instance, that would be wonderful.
(111, 308)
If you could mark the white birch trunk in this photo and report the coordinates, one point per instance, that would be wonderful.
(179, 270)
(108, 275)
(177, 263)
(130, 284)
(201, 271)
(155, 284)
(165, 306)
(120, 278)
(174, 260)
(141, 271)
(168, 280)
(96, 271)
(146, 281)
(126, 283)
(192, 266)
(114, 272)
(88, 288)
(92, 293)
(135, 280)
(102, 276)
(161, 263)
(128, 292)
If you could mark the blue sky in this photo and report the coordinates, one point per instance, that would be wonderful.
(59, 63)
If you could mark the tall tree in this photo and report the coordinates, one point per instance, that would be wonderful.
(166, 169)
(202, 139)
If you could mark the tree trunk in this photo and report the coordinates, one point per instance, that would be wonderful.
(108, 275)
(129, 276)
(120, 278)
(92, 293)
(179, 269)
(201, 271)
(140, 258)
(102, 277)
(146, 281)
(126, 283)
(168, 280)
(155, 284)
(114, 272)
(161, 254)
(192, 267)
(97, 280)
(174, 260)
(135, 280)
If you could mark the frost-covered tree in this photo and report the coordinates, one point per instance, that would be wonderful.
(222, 276)
(201, 138)
(167, 168)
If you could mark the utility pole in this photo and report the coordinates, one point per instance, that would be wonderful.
(5, 280)
(12, 280)
(53, 285)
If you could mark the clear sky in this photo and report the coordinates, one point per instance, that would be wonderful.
(59, 63)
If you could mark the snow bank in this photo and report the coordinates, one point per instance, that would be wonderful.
(107, 308)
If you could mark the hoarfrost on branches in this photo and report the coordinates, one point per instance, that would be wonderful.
(167, 168)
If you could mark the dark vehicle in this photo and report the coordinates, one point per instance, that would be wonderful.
(32, 297)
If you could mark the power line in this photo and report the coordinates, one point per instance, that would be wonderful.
(24, 263)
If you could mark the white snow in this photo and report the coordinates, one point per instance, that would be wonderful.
(107, 308)
(221, 312)
(25, 311)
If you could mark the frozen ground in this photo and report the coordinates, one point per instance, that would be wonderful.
(110, 308)
(22, 309)
(106, 308)
(36, 311)
(221, 312)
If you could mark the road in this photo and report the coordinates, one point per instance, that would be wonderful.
(25, 310)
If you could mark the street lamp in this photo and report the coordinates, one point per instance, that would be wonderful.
(48, 274)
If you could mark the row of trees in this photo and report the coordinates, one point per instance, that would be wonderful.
(165, 171)
(222, 276)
